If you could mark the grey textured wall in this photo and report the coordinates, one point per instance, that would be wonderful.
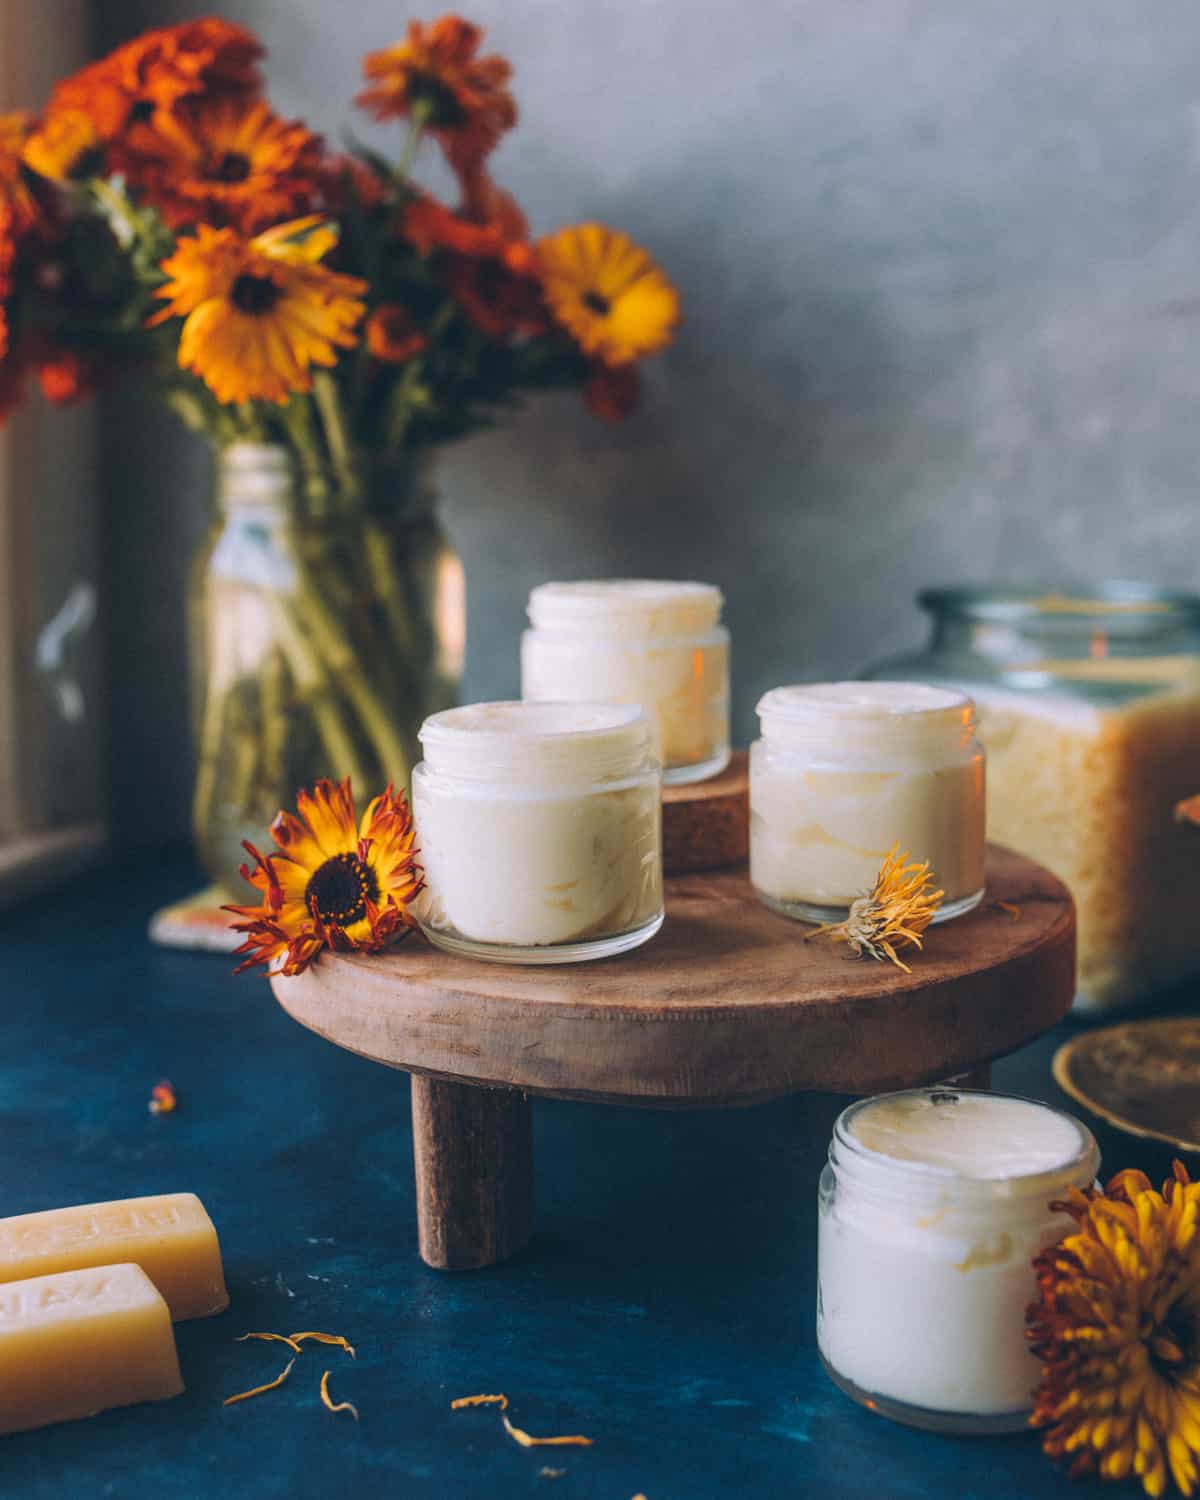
(941, 270)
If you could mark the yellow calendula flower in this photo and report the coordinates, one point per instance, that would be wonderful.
(64, 146)
(260, 312)
(334, 882)
(1117, 1328)
(607, 292)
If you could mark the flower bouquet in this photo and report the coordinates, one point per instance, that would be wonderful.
(325, 322)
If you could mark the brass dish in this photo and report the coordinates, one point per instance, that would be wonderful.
(1143, 1077)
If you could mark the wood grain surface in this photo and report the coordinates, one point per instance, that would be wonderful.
(706, 824)
(728, 1005)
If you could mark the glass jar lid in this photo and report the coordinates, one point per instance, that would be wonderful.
(964, 1143)
(626, 607)
(535, 743)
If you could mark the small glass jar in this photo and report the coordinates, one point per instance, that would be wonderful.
(844, 772)
(634, 640)
(540, 831)
(1089, 705)
(932, 1206)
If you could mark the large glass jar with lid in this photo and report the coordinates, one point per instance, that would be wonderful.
(1089, 707)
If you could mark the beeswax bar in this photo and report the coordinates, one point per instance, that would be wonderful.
(75, 1343)
(170, 1237)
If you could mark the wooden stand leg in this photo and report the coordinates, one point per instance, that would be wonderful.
(473, 1152)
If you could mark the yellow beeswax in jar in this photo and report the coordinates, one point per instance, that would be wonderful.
(78, 1342)
(171, 1237)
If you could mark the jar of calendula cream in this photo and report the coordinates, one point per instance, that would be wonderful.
(636, 640)
(540, 830)
(844, 772)
(932, 1207)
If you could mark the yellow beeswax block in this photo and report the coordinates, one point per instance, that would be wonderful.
(170, 1237)
(75, 1343)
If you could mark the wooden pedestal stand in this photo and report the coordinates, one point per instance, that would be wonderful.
(727, 1006)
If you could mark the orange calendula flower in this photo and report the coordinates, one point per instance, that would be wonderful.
(435, 76)
(20, 210)
(1117, 1328)
(157, 70)
(607, 293)
(392, 336)
(333, 884)
(612, 391)
(223, 162)
(260, 312)
(68, 376)
(429, 226)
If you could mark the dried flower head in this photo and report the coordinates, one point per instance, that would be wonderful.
(1117, 1328)
(898, 909)
(333, 884)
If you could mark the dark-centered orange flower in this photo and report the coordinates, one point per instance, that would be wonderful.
(159, 69)
(224, 161)
(392, 336)
(436, 76)
(333, 883)
(429, 225)
(260, 312)
(1117, 1328)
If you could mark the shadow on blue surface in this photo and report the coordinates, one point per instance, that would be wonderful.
(665, 1306)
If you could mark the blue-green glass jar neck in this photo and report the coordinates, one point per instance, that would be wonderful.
(1107, 620)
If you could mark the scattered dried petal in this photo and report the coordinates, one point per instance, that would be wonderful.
(894, 914)
(545, 1472)
(162, 1098)
(332, 1405)
(1010, 907)
(324, 1338)
(275, 1338)
(575, 1441)
(261, 1390)
(465, 1401)
(1188, 811)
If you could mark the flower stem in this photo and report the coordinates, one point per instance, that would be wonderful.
(417, 120)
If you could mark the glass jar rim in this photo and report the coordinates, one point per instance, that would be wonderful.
(510, 739)
(624, 607)
(1068, 604)
(804, 703)
(1083, 1164)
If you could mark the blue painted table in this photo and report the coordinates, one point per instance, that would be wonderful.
(666, 1308)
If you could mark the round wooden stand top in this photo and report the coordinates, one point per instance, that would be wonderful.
(726, 1006)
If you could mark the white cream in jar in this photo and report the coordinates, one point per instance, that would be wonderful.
(933, 1205)
(633, 640)
(845, 771)
(540, 830)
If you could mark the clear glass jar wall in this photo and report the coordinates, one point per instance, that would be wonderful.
(657, 643)
(1089, 708)
(327, 620)
(847, 771)
(932, 1206)
(540, 830)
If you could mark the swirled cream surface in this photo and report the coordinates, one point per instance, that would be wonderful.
(539, 826)
(657, 643)
(933, 1205)
(846, 770)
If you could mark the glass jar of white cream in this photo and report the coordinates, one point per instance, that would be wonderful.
(636, 640)
(847, 770)
(540, 831)
(933, 1205)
